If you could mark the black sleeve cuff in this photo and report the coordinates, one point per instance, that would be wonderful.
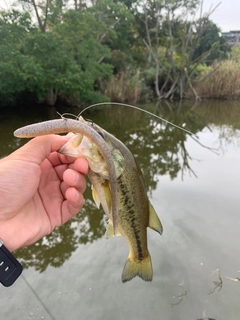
(10, 268)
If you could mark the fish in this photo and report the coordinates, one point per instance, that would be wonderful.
(134, 211)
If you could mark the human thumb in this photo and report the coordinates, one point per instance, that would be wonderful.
(39, 148)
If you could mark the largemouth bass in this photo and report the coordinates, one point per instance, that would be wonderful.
(135, 212)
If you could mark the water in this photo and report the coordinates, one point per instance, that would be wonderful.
(193, 183)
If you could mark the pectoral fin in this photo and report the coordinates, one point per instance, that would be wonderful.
(110, 231)
(154, 221)
(101, 192)
(96, 197)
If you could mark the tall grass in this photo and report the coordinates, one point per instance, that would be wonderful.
(220, 81)
(123, 87)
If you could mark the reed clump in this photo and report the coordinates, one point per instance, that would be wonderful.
(220, 81)
(123, 87)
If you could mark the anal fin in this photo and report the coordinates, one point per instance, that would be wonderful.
(95, 197)
(110, 231)
(154, 221)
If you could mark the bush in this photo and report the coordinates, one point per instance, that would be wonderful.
(123, 87)
(220, 81)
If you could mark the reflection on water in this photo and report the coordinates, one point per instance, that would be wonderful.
(190, 196)
(217, 283)
(57, 247)
(179, 298)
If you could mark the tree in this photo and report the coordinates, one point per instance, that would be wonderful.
(67, 52)
(64, 62)
(46, 11)
(172, 36)
(67, 48)
(79, 33)
(15, 68)
(211, 38)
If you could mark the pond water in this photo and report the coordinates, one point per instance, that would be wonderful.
(193, 183)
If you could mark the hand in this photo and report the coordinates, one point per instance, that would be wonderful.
(39, 190)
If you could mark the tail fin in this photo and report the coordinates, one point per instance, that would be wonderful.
(141, 268)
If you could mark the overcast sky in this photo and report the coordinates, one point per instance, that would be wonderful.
(226, 16)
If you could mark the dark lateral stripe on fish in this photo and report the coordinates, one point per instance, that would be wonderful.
(137, 238)
(130, 217)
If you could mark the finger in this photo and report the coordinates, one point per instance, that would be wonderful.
(60, 170)
(57, 159)
(72, 205)
(39, 148)
(81, 165)
(75, 179)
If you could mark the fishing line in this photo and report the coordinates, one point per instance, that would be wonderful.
(67, 114)
(192, 135)
(137, 108)
(37, 297)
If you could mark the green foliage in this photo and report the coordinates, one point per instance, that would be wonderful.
(16, 21)
(59, 70)
(202, 69)
(74, 50)
(211, 39)
(235, 53)
(66, 61)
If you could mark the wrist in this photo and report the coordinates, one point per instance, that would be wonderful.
(9, 237)
(7, 242)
